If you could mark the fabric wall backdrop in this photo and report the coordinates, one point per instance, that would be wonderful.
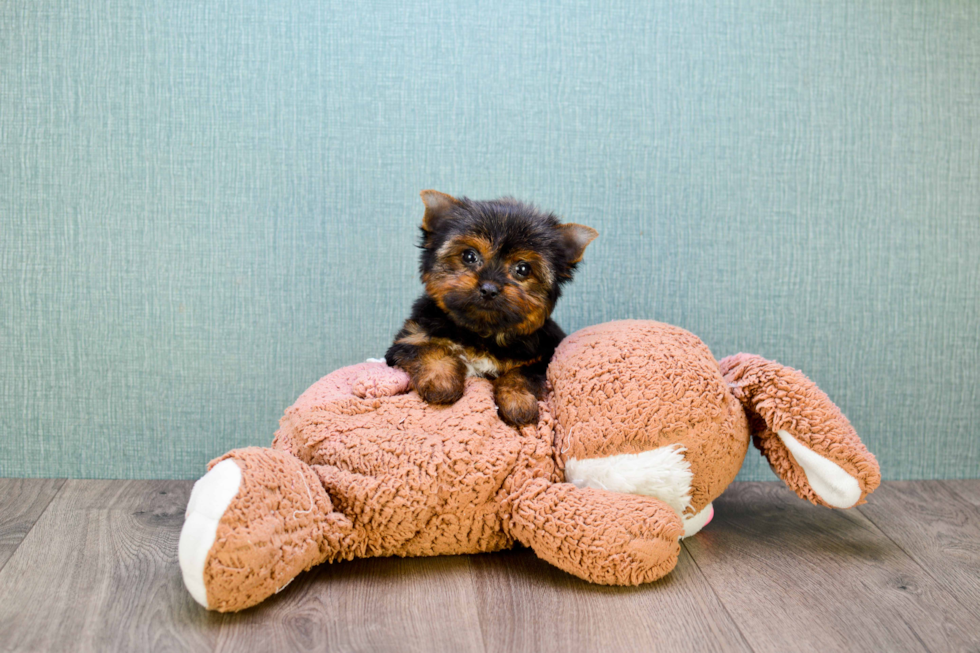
(206, 206)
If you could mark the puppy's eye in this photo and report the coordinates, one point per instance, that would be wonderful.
(470, 257)
(522, 270)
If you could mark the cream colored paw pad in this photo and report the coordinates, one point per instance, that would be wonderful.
(210, 498)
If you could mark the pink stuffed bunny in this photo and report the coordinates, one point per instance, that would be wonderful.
(641, 430)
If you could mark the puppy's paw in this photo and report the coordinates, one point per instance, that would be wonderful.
(440, 381)
(517, 407)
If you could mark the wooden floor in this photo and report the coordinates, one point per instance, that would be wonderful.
(92, 566)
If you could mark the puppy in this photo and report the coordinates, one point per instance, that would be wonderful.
(493, 272)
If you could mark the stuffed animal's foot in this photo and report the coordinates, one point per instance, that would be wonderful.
(209, 500)
(603, 537)
(256, 520)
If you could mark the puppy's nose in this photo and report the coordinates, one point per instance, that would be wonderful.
(489, 289)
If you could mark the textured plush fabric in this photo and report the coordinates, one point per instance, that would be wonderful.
(779, 398)
(204, 205)
(280, 523)
(420, 480)
(631, 386)
(361, 466)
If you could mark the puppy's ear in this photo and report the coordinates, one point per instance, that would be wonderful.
(575, 238)
(438, 207)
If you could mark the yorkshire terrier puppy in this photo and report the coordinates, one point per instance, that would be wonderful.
(492, 273)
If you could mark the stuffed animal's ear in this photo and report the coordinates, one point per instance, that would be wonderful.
(801, 432)
(576, 237)
(438, 207)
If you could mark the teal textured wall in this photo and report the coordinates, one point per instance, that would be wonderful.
(205, 206)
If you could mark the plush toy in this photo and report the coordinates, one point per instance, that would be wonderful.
(640, 430)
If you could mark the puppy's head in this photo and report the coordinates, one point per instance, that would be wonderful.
(497, 267)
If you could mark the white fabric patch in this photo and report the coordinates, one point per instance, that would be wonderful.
(831, 483)
(662, 473)
(209, 500)
(375, 360)
(693, 524)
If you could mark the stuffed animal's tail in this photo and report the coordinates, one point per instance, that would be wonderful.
(804, 436)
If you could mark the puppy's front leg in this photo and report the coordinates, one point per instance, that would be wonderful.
(517, 392)
(437, 375)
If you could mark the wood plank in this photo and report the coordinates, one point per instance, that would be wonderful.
(525, 604)
(938, 529)
(98, 572)
(375, 604)
(22, 500)
(799, 577)
(968, 489)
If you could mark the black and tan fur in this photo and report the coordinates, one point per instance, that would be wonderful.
(493, 272)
